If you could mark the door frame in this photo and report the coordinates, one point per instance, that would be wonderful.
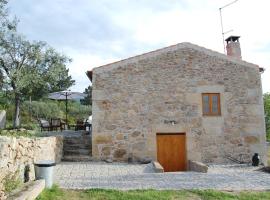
(174, 133)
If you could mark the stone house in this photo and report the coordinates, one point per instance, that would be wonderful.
(183, 102)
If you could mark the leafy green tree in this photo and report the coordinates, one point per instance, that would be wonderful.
(29, 68)
(54, 75)
(266, 99)
(88, 99)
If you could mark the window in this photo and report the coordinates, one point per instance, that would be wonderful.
(211, 104)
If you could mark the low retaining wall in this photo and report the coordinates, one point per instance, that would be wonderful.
(17, 153)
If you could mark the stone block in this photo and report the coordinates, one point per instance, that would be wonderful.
(251, 139)
(99, 95)
(135, 134)
(119, 153)
(106, 151)
(103, 139)
(119, 136)
(157, 167)
(139, 146)
(197, 166)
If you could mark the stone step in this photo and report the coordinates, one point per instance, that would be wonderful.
(76, 158)
(77, 147)
(77, 152)
(77, 137)
(77, 141)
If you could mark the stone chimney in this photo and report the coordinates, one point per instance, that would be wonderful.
(233, 47)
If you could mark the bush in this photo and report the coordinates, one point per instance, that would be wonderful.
(12, 182)
(20, 133)
(78, 111)
(266, 98)
(46, 109)
(41, 109)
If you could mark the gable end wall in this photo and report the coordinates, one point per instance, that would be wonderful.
(134, 101)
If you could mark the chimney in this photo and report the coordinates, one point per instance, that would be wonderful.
(233, 47)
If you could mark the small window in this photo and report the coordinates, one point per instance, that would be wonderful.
(211, 104)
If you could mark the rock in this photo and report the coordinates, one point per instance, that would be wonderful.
(2, 195)
(106, 151)
(145, 160)
(251, 139)
(119, 153)
(103, 139)
(157, 167)
(197, 166)
(119, 136)
(108, 160)
(110, 127)
(135, 134)
(139, 146)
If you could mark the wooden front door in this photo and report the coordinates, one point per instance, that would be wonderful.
(171, 151)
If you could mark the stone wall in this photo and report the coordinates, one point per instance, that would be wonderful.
(17, 153)
(133, 100)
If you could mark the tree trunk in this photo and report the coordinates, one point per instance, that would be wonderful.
(16, 120)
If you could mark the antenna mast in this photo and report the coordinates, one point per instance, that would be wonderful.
(221, 22)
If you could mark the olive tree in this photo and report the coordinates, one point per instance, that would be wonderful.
(30, 68)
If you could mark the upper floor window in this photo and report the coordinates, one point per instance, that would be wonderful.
(211, 104)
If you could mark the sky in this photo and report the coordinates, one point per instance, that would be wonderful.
(97, 32)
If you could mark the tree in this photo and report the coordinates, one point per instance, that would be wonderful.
(3, 10)
(88, 99)
(266, 100)
(54, 78)
(30, 67)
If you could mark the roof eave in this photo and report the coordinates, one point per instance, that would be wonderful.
(89, 74)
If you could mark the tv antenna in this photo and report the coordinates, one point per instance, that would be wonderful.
(221, 21)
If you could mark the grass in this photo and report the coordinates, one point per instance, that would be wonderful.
(19, 133)
(99, 194)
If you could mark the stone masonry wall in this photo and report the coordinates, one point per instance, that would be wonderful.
(135, 99)
(16, 153)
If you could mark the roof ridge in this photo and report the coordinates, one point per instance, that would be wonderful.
(171, 48)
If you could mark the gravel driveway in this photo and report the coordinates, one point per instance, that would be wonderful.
(79, 175)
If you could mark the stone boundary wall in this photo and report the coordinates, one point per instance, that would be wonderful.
(17, 153)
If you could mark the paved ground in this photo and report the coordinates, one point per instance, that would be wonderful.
(132, 176)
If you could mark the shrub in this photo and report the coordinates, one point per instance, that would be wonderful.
(41, 109)
(12, 182)
(266, 98)
(20, 133)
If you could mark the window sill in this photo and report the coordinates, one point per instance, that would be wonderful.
(212, 115)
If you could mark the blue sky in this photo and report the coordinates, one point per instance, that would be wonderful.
(96, 32)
